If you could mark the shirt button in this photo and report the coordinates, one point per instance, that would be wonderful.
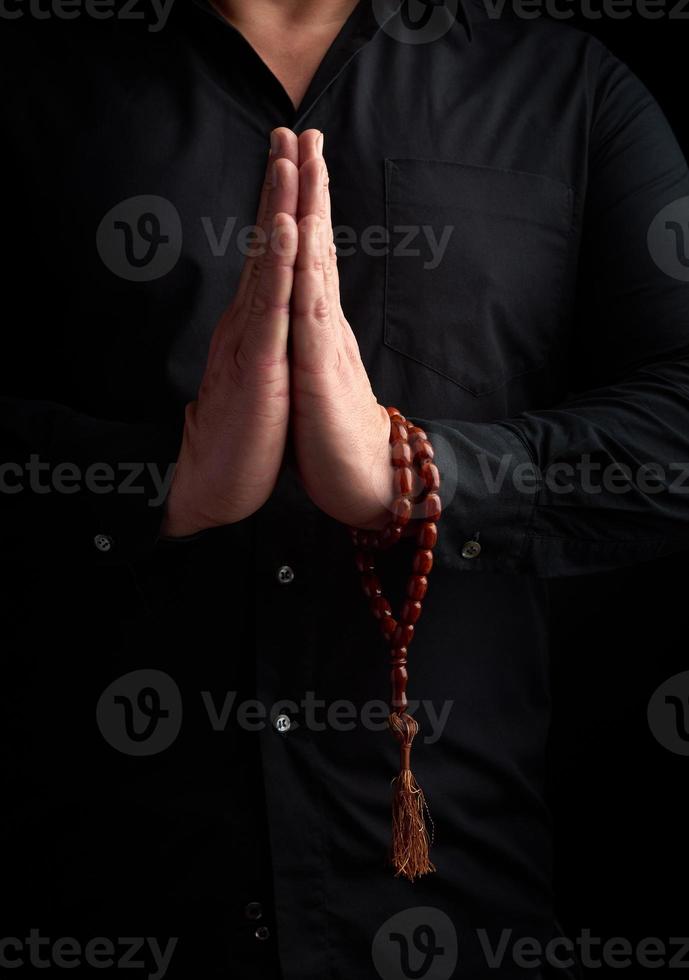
(285, 575)
(103, 542)
(283, 723)
(254, 910)
(471, 549)
(262, 933)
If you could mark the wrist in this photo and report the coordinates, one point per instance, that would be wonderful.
(179, 526)
(179, 520)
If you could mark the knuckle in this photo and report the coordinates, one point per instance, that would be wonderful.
(255, 369)
(353, 353)
(258, 308)
(241, 361)
(308, 223)
(262, 306)
(321, 310)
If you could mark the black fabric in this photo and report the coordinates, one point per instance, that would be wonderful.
(543, 333)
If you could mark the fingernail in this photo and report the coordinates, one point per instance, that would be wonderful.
(320, 141)
(274, 142)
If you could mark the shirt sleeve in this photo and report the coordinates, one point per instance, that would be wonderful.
(600, 480)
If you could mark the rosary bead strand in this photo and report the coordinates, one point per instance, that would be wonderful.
(411, 454)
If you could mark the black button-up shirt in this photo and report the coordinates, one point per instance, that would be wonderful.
(195, 731)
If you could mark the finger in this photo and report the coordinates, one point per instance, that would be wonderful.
(314, 330)
(266, 326)
(314, 198)
(312, 177)
(283, 198)
(333, 275)
(284, 146)
(310, 145)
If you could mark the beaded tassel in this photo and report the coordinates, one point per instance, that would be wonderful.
(410, 452)
(410, 840)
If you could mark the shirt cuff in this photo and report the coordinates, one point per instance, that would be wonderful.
(488, 488)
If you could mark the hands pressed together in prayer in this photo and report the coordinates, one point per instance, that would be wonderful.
(254, 389)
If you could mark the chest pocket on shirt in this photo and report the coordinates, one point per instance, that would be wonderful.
(475, 268)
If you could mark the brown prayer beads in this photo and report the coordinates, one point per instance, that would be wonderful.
(411, 455)
(411, 452)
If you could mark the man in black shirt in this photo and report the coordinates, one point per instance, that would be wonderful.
(194, 733)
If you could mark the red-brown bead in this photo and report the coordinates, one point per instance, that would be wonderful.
(399, 701)
(369, 540)
(371, 586)
(411, 610)
(431, 507)
(399, 678)
(380, 607)
(398, 432)
(400, 454)
(364, 561)
(401, 510)
(427, 535)
(416, 432)
(388, 624)
(416, 586)
(423, 561)
(391, 535)
(429, 474)
(402, 479)
(421, 450)
(403, 635)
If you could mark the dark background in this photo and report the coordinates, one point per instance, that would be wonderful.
(619, 797)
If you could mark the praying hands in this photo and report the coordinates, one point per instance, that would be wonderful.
(253, 390)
